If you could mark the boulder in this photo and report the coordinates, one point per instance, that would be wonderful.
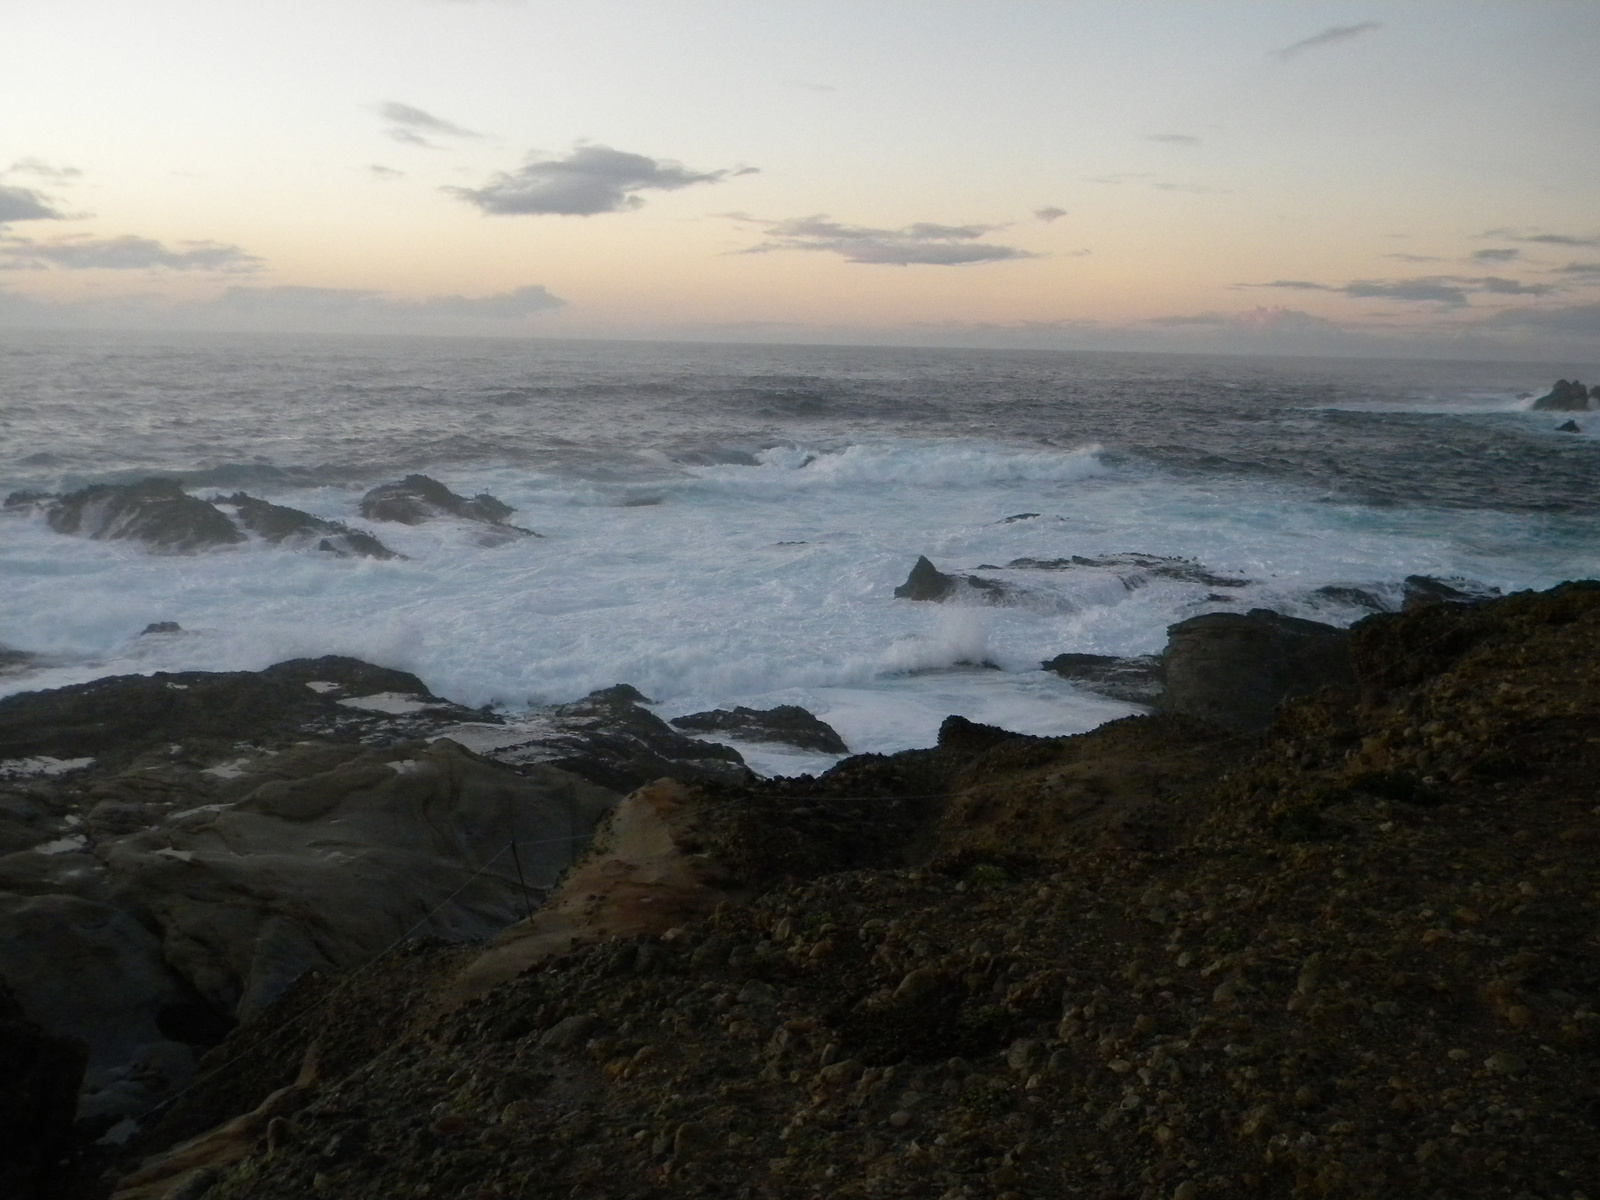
(927, 582)
(157, 512)
(788, 724)
(1234, 669)
(277, 524)
(1135, 679)
(1566, 396)
(38, 1100)
(417, 499)
(1569, 427)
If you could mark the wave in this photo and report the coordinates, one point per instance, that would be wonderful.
(911, 463)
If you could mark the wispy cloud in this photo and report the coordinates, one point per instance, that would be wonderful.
(1540, 239)
(1049, 213)
(1149, 180)
(1416, 257)
(590, 180)
(379, 171)
(1578, 268)
(126, 254)
(1451, 291)
(25, 204)
(1328, 37)
(412, 126)
(923, 243)
(1496, 254)
(41, 169)
(1174, 139)
(365, 303)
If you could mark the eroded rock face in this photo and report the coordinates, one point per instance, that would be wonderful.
(1234, 669)
(417, 499)
(788, 724)
(278, 524)
(1567, 396)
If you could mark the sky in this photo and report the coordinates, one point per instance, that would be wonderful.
(1402, 177)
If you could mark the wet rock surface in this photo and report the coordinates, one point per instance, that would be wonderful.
(1350, 957)
(787, 724)
(927, 582)
(278, 524)
(1136, 678)
(1235, 669)
(1135, 570)
(417, 499)
(1568, 395)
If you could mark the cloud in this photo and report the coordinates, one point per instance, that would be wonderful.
(1337, 33)
(1049, 213)
(364, 303)
(590, 180)
(1174, 139)
(1498, 254)
(1578, 320)
(1416, 257)
(1541, 239)
(25, 204)
(43, 170)
(379, 171)
(126, 253)
(409, 124)
(922, 243)
(1147, 179)
(1452, 291)
(1578, 268)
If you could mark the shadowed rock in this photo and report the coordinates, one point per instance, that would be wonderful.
(38, 1099)
(1135, 570)
(927, 582)
(1423, 590)
(277, 524)
(1234, 669)
(156, 512)
(787, 723)
(1135, 679)
(1566, 396)
(1569, 427)
(417, 499)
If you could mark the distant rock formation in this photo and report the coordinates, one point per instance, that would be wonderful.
(927, 582)
(788, 724)
(159, 513)
(417, 499)
(1568, 396)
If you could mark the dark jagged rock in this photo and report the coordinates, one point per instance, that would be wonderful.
(1135, 569)
(119, 717)
(787, 723)
(1235, 669)
(155, 511)
(1423, 590)
(1015, 517)
(1136, 679)
(1355, 597)
(277, 523)
(417, 499)
(161, 627)
(927, 582)
(957, 734)
(1566, 396)
(609, 739)
(40, 1073)
(1569, 427)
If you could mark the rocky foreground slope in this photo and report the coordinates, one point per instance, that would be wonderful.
(1357, 955)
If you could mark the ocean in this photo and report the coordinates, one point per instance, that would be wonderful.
(726, 524)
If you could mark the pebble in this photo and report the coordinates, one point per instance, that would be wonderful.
(1503, 1062)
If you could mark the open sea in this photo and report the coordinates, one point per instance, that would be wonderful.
(726, 525)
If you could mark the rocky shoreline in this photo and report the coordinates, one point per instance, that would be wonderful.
(1324, 924)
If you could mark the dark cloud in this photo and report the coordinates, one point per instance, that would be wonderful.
(1174, 139)
(1416, 257)
(1541, 239)
(408, 117)
(1497, 254)
(379, 171)
(923, 243)
(1578, 268)
(44, 170)
(127, 254)
(1049, 213)
(25, 204)
(1338, 33)
(1578, 320)
(364, 303)
(1451, 291)
(590, 180)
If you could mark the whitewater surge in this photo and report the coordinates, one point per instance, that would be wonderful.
(720, 527)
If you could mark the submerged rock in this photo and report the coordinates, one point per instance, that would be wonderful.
(1135, 570)
(787, 723)
(1567, 396)
(277, 523)
(1234, 669)
(1136, 679)
(417, 499)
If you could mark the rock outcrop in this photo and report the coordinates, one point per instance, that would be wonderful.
(417, 499)
(1135, 570)
(927, 582)
(1568, 396)
(1136, 678)
(159, 513)
(787, 724)
(1235, 669)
